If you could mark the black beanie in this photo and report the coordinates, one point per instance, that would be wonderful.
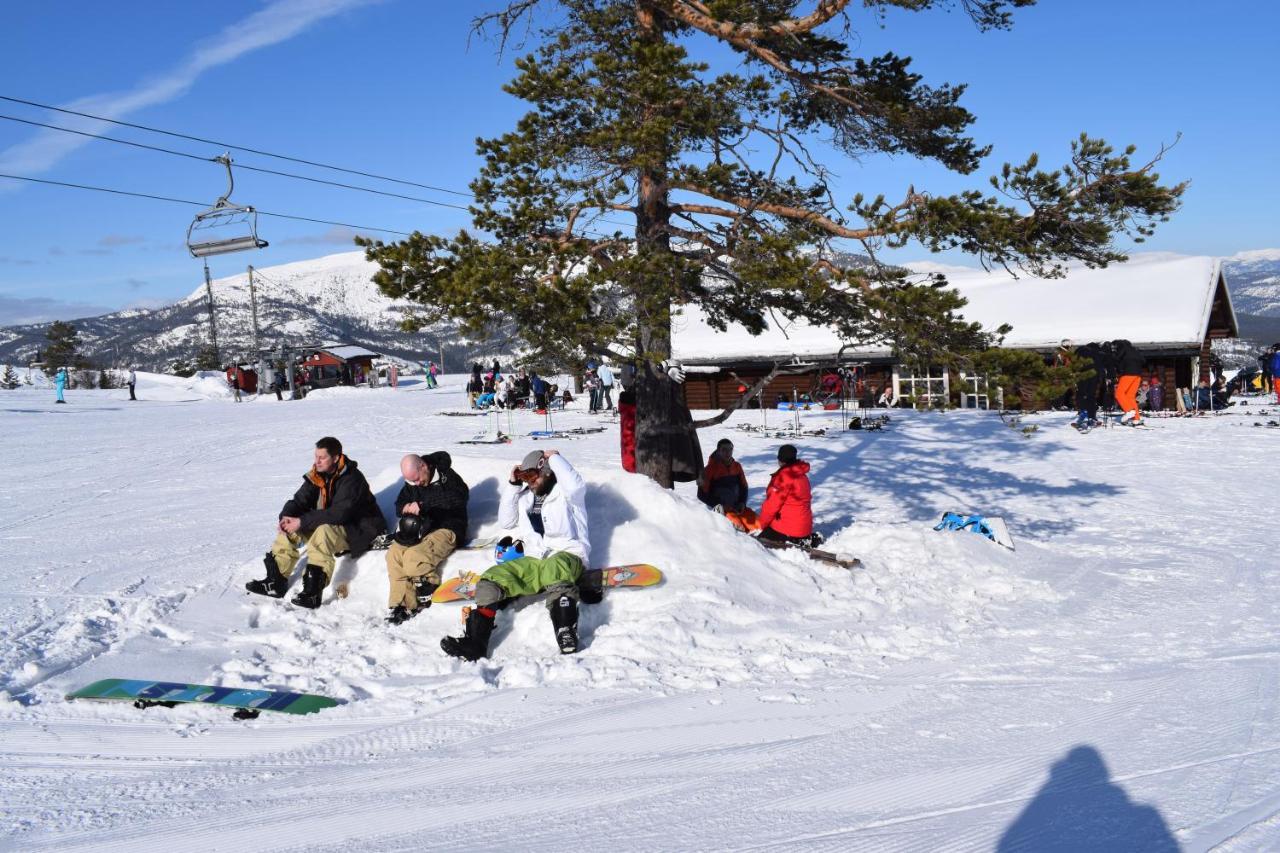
(787, 454)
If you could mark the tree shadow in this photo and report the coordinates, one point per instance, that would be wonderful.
(1079, 808)
(923, 476)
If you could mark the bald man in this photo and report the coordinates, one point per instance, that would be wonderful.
(432, 511)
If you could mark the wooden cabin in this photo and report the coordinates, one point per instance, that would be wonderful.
(335, 364)
(1171, 307)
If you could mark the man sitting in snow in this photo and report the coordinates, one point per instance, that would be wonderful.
(334, 511)
(544, 504)
(432, 507)
(722, 485)
(787, 514)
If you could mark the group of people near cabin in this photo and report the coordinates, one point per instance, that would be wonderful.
(543, 511)
(1119, 372)
(522, 389)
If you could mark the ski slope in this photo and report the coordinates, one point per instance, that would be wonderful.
(1111, 684)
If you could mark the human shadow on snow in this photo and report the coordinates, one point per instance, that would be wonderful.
(925, 475)
(1080, 808)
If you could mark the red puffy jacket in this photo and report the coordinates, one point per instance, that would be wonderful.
(787, 502)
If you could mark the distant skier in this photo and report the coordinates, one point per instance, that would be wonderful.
(1129, 364)
(1090, 355)
(133, 382)
(787, 514)
(544, 505)
(540, 388)
(432, 373)
(233, 379)
(333, 511)
(60, 383)
(432, 511)
(605, 376)
(1274, 364)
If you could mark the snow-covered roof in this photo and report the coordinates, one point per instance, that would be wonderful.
(1155, 300)
(348, 351)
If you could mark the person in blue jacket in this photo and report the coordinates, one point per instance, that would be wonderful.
(59, 383)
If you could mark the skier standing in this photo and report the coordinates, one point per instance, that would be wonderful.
(1129, 364)
(432, 508)
(1087, 388)
(544, 505)
(333, 511)
(605, 375)
(60, 383)
(133, 381)
(1274, 363)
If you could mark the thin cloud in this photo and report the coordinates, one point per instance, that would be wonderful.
(279, 21)
(337, 235)
(112, 240)
(19, 311)
(135, 283)
(17, 262)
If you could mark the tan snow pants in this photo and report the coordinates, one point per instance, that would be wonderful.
(323, 544)
(405, 565)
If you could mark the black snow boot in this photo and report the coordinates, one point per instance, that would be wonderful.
(564, 618)
(274, 584)
(313, 583)
(401, 614)
(474, 642)
(424, 589)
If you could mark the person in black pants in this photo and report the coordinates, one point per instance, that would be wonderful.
(1087, 389)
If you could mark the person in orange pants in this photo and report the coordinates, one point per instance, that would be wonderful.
(1129, 364)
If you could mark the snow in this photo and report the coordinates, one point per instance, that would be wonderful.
(1113, 675)
(1154, 299)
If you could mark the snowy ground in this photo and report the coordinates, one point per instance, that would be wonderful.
(1113, 681)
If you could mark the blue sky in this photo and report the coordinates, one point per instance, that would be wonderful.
(396, 87)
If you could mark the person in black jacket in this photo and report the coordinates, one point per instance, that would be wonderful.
(334, 511)
(432, 507)
(1089, 355)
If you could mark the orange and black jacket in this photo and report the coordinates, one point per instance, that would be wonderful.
(343, 498)
(726, 484)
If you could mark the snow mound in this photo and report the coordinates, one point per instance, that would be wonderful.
(730, 612)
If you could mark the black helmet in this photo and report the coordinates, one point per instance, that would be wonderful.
(409, 530)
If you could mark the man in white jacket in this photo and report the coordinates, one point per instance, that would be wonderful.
(544, 505)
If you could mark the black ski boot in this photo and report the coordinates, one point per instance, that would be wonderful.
(274, 584)
(401, 614)
(312, 587)
(424, 589)
(474, 642)
(564, 618)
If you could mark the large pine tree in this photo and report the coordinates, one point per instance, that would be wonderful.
(627, 126)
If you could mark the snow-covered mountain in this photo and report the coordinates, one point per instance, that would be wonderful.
(1254, 280)
(326, 299)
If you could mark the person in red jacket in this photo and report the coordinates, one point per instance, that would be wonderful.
(787, 515)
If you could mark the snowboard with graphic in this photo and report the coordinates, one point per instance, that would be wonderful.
(463, 587)
(248, 702)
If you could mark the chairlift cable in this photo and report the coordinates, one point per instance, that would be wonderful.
(244, 148)
(238, 165)
(228, 145)
(197, 203)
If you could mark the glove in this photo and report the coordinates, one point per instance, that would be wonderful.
(673, 369)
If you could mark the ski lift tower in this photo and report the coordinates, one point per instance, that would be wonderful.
(221, 230)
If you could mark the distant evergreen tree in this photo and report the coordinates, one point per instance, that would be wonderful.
(182, 368)
(63, 349)
(107, 380)
(10, 378)
(207, 358)
(727, 206)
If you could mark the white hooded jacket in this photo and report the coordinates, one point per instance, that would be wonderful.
(564, 514)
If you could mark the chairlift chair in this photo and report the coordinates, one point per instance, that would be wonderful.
(225, 227)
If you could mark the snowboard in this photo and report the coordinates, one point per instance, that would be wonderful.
(844, 562)
(463, 587)
(246, 701)
(383, 541)
(991, 526)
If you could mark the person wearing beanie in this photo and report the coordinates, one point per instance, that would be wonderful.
(787, 514)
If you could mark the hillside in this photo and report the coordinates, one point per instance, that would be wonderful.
(326, 299)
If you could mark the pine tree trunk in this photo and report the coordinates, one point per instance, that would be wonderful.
(653, 388)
